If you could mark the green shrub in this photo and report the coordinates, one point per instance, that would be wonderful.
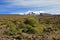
(21, 25)
(31, 31)
(31, 21)
(11, 29)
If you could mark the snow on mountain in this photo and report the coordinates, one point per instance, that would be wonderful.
(36, 12)
(31, 12)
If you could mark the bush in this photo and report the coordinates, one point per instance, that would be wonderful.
(21, 25)
(31, 26)
(11, 29)
(31, 31)
(31, 21)
(28, 24)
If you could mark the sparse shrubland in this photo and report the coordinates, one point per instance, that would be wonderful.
(22, 27)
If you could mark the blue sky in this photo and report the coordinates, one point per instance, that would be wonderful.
(22, 6)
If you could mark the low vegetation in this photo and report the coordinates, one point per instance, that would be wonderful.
(21, 27)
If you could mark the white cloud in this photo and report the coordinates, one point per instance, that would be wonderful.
(34, 3)
(18, 13)
(53, 5)
(54, 10)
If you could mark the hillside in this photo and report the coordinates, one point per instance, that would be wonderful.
(24, 27)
